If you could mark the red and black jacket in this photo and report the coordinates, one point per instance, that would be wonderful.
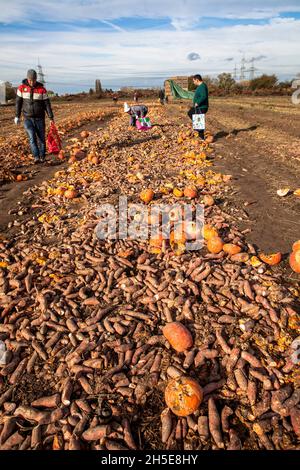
(33, 101)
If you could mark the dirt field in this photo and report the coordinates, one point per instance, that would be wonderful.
(257, 140)
(87, 360)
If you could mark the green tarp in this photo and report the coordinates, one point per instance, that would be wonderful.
(180, 93)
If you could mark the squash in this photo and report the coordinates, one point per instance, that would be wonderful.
(208, 200)
(70, 194)
(190, 192)
(271, 259)
(147, 195)
(215, 245)
(177, 192)
(231, 248)
(183, 396)
(294, 260)
(209, 232)
(296, 246)
(178, 336)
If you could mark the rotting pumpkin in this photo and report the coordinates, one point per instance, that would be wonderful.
(183, 396)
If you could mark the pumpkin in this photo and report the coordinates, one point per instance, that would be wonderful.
(192, 231)
(209, 139)
(231, 248)
(178, 336)
(271, 259)
(95, 160)
(61, 155)
(296, 246)
(294, 260)
(60, 191)
(84, 134)
(209, 232)
(183, 396)
(72, 159)
(157, 241)
(215, 245)
(19, 178)
(147, 195)
(178, 235)
(190, 192)
(177, 192)
(297, 192)
(208, 200)
(70, 194)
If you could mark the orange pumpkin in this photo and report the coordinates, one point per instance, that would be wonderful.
(183, 396)
(19, 178)
(271, 259)
(60, 191)
(178, 336)
(215, 245)
(70, 194)
(296, 246)
(177, 192)
(190, 192)
(209, 139)
(157, 241)
(295, 261)
(208, 200)
(84, 134)
(147, 195)
(231, 248)
(95, 160)
(209, 232)
(61, 155)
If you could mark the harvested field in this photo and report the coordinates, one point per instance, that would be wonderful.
(86, 360)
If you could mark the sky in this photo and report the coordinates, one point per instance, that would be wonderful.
(141, 43)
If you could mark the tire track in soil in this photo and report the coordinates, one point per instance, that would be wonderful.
(274, 221)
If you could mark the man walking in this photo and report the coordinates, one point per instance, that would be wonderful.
(33, 100)
(200, 100)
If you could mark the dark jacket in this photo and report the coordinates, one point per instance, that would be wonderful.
(201, 97)
(33, 101)
(139, 110)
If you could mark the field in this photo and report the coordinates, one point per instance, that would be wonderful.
(81, 319)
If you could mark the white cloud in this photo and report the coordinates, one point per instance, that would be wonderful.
(80, 55)
(183, 13)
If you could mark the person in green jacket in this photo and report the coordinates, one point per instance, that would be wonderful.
(200, 100)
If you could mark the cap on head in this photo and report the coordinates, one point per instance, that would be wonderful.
(31, 74)
(126, 108)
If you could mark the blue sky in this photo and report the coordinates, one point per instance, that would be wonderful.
(125, 42)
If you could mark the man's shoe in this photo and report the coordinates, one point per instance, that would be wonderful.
(37, 161)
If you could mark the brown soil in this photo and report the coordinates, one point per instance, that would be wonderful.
(256, 141)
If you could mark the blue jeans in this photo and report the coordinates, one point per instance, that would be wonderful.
(35, 128)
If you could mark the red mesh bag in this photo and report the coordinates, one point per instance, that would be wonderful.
(53, 140)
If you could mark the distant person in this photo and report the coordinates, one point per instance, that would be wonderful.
(200, 100)
(161, 96)
(136, 97)
(115, 98)
(33, 100)
(135, 112)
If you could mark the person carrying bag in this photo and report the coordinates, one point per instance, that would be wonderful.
(200, 106)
